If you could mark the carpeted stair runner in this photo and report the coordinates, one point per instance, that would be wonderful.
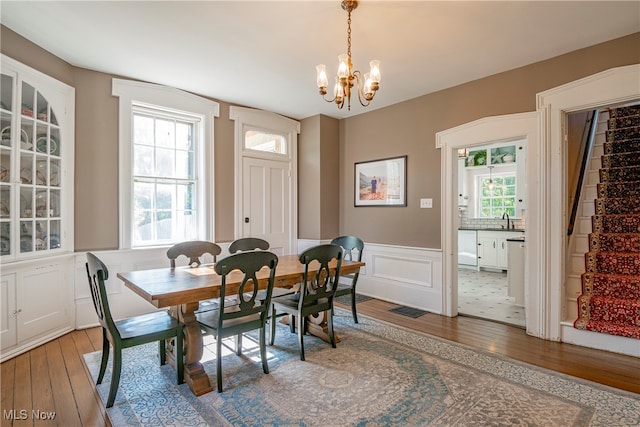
(610, 300)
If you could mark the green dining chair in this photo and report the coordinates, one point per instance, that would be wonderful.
(245, 244)
(316, 292)
(249, 312)
(350, 244)
(194, 250)
(157, 326)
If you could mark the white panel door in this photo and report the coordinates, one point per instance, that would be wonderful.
(266, 202)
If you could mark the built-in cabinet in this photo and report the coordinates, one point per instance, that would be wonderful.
(493, 249)
(36, 207)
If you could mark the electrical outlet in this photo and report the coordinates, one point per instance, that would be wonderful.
(426, 203)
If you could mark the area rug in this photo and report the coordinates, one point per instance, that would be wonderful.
(379, 375)
(346, 299)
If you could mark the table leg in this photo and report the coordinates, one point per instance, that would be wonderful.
(194, 373)
(317, 326)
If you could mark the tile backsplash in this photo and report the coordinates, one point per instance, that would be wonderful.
(466, 222)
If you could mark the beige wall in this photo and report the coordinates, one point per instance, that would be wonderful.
(308, 178)
(318, 178)
(576, 132)
(96, 150)
(410, 127)
(406, 128)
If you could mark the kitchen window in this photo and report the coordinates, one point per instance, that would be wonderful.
(166, 165)
(493, 203)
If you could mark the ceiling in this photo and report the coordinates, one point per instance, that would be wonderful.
(262, 54)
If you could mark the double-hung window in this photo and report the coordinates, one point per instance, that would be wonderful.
(493, 203)
(166, 165)
(165, 177)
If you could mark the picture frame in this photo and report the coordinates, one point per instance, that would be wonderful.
(381, 182)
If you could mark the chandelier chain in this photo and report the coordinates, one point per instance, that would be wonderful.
(349, 34)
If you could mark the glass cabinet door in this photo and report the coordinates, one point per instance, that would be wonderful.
(7, 83)
(31, 178)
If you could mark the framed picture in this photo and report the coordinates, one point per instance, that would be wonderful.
(381, 182)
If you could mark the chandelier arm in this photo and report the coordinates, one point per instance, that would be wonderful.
(358, 78)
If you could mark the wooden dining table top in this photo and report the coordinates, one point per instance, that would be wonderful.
(165, 287)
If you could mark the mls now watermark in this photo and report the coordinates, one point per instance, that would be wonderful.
(24, 414)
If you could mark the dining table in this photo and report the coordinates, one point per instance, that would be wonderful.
(182, 288)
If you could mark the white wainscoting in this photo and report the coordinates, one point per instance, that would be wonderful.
(403, 275)
(399, 274)
(122, 301)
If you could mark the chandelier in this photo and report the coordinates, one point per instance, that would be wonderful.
(347, 78)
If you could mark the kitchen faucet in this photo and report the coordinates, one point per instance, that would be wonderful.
(512, 225)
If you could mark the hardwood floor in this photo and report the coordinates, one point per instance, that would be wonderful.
(53, 378)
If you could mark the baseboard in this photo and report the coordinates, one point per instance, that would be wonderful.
(612, 343)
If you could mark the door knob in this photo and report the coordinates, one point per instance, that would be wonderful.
(246, 219)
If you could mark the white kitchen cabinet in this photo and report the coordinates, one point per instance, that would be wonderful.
(492, 248)
(36, 207)
(467, 247)
(463, 196)
(515, 272)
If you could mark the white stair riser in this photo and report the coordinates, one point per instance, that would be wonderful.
(577, 264)
(590, 193)
(581, 244)
(593, 178)
(584, 225)
(588, 208)
(574, 286)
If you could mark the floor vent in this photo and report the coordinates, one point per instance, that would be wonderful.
(408, 311)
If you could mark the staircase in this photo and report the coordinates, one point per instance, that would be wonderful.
(610, 299)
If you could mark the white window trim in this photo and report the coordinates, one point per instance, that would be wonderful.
(130, 92)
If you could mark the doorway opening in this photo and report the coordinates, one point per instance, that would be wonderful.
(491, 223)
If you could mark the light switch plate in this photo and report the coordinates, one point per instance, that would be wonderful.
(426, 203)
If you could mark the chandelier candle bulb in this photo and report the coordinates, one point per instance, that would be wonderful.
(322, 80)
(375, 71)
(343, 67)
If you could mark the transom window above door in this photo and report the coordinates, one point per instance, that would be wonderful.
(266, 142)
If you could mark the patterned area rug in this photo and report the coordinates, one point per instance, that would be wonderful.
(346, 299)
(610, 300)
(379, 375)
